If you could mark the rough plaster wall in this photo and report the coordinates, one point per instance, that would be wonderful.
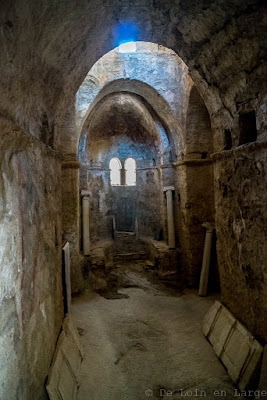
(104, 199)
(70, 176)
(30, 260)
(149, 206)
(95, 177)
(158, 67)
(100, 152)
(101, 199)
(195, 187)
(221, 42)
(152, 101)
(196, 206)
(198, 136)
(123, 113)
(49, 47)
(122, 127)
(32, 34)
(167, 177)
(240, 202)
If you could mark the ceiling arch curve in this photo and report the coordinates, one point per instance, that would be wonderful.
(218, 40)
(122, 113)
(154, 102)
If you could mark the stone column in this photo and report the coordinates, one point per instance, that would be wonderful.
(204, 277)
(85, 219)
(170, 217)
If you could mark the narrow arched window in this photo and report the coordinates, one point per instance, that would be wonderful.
(130, 172)
(115, 171)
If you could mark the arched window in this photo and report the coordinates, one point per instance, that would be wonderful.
(115, 171)
(130, 172)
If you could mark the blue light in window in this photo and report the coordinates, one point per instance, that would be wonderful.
(125, 33)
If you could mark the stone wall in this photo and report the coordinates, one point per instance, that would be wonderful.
(71, 224)
(240, 202)
(30, 259)
(198, 134)
(95, 177)
(194, 182)
(154, 65)
(104, 200)
(47, 49)
(43, 64)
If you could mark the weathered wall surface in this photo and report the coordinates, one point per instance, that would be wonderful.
(198, 134)
(240, 202)
(124, 113)
(30, 263)
(47, 48)
(104, 198)
(122, 126)
(71, 225)
(154, 65)
(221, 43)
(104, 202)
(194, 182)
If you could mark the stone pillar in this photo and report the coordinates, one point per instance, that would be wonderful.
(204, 277)
(71, 219)
(85, 219)
(170, 217)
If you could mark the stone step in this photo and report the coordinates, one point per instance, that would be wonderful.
(133, 256)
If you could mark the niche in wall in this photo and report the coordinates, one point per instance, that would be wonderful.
(227, 139)
(247, 127)
(198, 128)
(198, 198)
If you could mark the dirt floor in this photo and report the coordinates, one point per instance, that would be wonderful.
(143, 340)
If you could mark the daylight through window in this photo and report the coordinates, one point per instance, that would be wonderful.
(115, 171)
(130, 172)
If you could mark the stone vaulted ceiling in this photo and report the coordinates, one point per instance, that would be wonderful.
(123, 113)
(52, 45)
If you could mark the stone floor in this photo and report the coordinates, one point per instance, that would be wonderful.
(143, 340)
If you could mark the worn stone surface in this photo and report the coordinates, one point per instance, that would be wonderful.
(194, 199)
(194, 182)
(70, 174)
(47, 49)
(64, 376)
(102, 271)
(95, 177)
(220, 331)
(196, 206)
(220, 42)
(122, 114)
(154, 66)
(198, 136)
(144, 339)
(30, 259)
(165, 261)
(263, 373)
(210, 317)
(240, 203)
(234, 345)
